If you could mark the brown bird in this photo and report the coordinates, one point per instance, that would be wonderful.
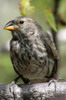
(32, 50)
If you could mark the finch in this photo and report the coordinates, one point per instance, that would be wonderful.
(32, 50)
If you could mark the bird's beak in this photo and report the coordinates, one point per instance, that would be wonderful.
(10, 26)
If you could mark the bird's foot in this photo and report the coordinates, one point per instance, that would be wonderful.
(13, 88)
(14, 83)
(54, 81)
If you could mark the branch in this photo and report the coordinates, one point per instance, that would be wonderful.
(41, 91)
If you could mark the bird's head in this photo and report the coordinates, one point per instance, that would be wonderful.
(21, 26)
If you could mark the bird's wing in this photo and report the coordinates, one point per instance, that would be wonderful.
(51, 50)
(50, 46)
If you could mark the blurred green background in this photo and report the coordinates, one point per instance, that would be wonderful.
(9, 9)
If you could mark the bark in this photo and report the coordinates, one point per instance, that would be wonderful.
(41, 91)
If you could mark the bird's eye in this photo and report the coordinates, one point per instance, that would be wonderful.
(21, 21)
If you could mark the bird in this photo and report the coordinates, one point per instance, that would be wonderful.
(32, 50)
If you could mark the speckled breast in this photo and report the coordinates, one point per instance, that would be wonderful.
(31, 63)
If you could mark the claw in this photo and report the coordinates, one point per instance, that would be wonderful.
(52, 81)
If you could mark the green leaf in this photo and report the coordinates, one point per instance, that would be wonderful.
(50, 18)
(26, 8)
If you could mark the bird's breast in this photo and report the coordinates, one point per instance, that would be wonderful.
(30, 60)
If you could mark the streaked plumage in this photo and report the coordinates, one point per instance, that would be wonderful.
(33, 52)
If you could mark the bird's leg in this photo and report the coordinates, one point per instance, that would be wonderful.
(25, 80)
(16, 79)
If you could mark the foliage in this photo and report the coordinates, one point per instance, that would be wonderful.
(62, 10)
(27, 9)
(50, 18)
(6, 70)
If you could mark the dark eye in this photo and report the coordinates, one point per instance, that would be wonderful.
(21, 21)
